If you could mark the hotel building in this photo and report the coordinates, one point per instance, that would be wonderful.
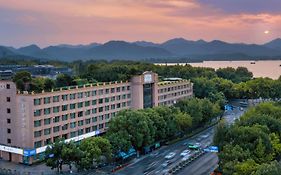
(31, 121)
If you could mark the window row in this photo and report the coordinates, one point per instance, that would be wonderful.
(174, 88)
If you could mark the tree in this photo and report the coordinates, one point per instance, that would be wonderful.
(22, 80)
(184, 121)
(49, 84)
(63, 80)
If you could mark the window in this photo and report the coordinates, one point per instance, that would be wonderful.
(94, 93)
(94, 111)
(113, 106)
(8, 99)
(87, 130)
(124, 104)
(9, 141)
(80, 105)
(80, 95)
(37, 123)
(101, 118)
(56, 99)
(8, 120)
(106, 91)
(87, 94)
(107, 124)
(37, 134)
(56, 119)
(8, 110)
(118, 105)
(94, 102)
(56, 109)
(112, 90)
(106, 100)
(118, 97)
(80, 131)
(37, 101)
(72, 96)
(47, 100)
(64, 107)
(64, 117)
(107, 108)
(123, 88)
(100, 109)
(100, 101)
(64, 127)
(94, 119)
(88, 121)
(72, 134)
(88, 112)
(47, 111)
(48, 141)
(80, 114)
(100, 126)
(128, 88)
(72, 106)
(106, 116)
(128, 95)
(8, 86)
(47, 121)
(80, 123)
(124, 96)
(37, 144)
(37, 112)
(94, 128)
(9, 131)
(87, 103)
(118, 89)
(100, 91)
(73, 125)
(72, 115)
(64, 97)
(47, 131)
(56, 129)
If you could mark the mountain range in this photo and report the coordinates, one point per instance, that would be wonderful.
(174, 49)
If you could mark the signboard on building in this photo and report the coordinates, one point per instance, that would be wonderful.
(11, 149)
(147, 78)
(29, 153)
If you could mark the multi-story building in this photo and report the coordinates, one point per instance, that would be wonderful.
(31, 121)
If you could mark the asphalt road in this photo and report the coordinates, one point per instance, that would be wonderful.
(152, 164)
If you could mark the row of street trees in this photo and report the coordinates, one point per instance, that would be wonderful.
(252, 145)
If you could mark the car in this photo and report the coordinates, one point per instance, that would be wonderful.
(205, 136)
(186, 157)
(170, 155)
(185, 152)
(195, 146)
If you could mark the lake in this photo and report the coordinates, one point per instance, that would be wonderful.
(271, 68)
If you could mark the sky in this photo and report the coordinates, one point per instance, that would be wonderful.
(52, 22)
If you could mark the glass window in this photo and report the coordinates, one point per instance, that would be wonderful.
(118, 105)
(37, 101)
(113, 106)
(94, 128)
(118, 89)
(64, 97)
(37, 133)
(64, 127)
(118, 97)
(107, 124)
(56, 98)
(101, 92)
(88, 112)
(123, 88)
(72, 96)
(47, 121)
(128, 88)
(94, 102)
(64, 107)
(87, 94)
(100, 126)
(94, 111)
(72, 124)
(80, 123)
(112, 98)
(100, 101)
(80, 114)
(88, 121)
(38, 144)
(128, 95)
(94, 119)
(100, 109)
(112, 90)
(94, 93)
(101, 118)
(124, 96)
(87, 103)
(72, 115)
(87, 130)
(47, 100)
(47, 111)
(37, 112)
(72, 106)
(64, 117)
(107, 108)
(106, 91)
(56, 119)
(37, 123)
(107, 116)
(73, 134)
(56, 109)
(80, 131)
(80, 95)
(47, 131)
(56, 129)
(106, 100)
(80, 104)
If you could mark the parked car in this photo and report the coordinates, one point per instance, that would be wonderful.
(185, 152)
(186, 157)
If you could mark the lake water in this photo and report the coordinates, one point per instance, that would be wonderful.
(271, 69)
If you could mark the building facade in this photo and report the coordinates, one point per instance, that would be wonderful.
(29, 122)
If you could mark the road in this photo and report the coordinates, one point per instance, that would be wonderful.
(153, 163)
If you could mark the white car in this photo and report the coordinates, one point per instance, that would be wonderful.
(185, 152)
(186, 157)
(170, 155)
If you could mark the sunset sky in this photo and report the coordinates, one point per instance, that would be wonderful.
(51, 22)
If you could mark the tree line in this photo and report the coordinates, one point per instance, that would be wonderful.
(137, 129)
(252, 145)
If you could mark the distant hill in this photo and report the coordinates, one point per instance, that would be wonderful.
(174, 49)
